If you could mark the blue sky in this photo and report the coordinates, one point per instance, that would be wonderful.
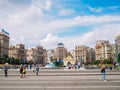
(48, 22)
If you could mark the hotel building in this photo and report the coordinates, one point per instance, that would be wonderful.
(84, 53)
(104, 50)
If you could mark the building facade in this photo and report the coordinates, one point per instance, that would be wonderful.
(69, 59)
(118, 42)
(84, 54)
(4, 44)
(117, 47)
(104, 50)
(45, 59)
(32, 55)
(60, 52)
(18, 51)
(37, 55)
(40, 54)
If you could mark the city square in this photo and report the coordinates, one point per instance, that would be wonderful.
(60, 45)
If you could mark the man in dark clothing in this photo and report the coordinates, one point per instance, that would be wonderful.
(37, 69)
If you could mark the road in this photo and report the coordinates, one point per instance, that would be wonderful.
(60, 79)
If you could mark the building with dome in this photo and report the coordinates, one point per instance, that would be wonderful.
(60, 51)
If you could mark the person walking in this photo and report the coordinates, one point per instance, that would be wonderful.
(37, 69)
(79, 64)
(103, 74)
(21, 71)
(5, 68)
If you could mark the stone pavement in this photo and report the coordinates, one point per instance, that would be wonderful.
(59, 79)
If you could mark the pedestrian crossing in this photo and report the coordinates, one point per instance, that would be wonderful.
(53, 80)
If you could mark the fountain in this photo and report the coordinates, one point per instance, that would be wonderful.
(50, 63)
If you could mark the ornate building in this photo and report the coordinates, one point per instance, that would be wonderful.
(4, 44)
(60, 52)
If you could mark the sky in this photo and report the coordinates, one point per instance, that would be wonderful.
(48, 22)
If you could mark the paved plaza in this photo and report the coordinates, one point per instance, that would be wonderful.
(60, 79)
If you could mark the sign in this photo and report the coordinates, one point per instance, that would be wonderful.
(3, 31)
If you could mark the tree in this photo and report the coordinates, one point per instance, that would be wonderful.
(58, 63)
(5, 58)
(119, 57)
(95, 62)
(107, 61)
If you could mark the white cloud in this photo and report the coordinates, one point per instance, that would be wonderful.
(103, 32)
(29, 24)
(113, 7)
(83, 21)
(2, 1)
(95, 9)
(66, 12)
(100, 9)
(48, 4)
(50, 41)
(43, 5)
(39, 29)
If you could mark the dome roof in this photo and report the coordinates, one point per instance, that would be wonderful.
(60, 43)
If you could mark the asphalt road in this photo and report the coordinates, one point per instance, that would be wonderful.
(50, 79)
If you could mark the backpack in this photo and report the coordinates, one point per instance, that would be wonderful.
(24, 71)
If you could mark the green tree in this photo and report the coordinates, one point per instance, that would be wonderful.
(119, 57)
(58, 63)
(108, 61)
(5, 58)
(95, 62)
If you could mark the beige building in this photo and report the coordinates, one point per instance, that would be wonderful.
(118, 42)
(84, 53)
(117, 47)
(14, 52)
(70, 59)
(18, 51)
(60, 52)
(37, 55)
(104, 50)
(32, 55)
(4, 44)
(40, 54)
(45, 59)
